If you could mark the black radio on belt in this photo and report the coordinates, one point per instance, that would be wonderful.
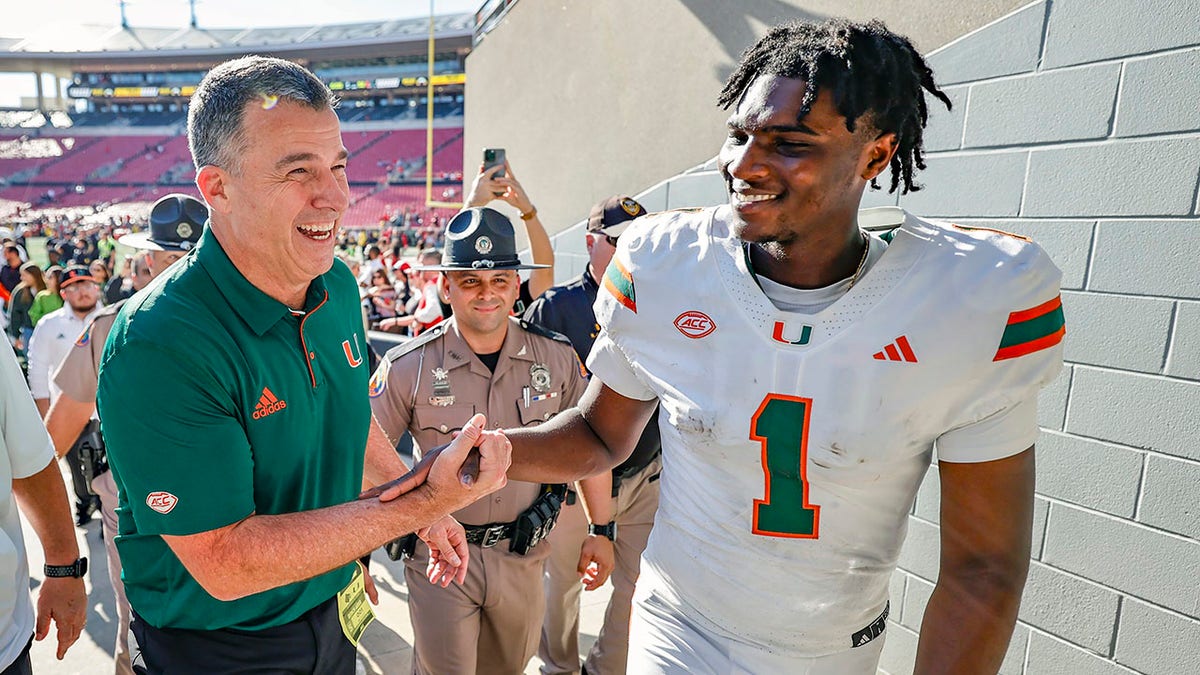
(524, 533)
(92, 456)
(535, 523)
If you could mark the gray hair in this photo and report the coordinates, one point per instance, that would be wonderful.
(214, 125)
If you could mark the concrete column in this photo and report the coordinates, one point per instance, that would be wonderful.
(41, 101)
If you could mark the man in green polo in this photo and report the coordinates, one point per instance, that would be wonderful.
(233, 400)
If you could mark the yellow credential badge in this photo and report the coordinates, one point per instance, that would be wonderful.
(354, 611)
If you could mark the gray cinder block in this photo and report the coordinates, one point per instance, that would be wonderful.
(1155, 413)
(1083, 31)
(1147, 258)
(1118, 331)
(1058, 106)
(1008, 46)
(1125, 556)
(1126, 178)
(1160, 94)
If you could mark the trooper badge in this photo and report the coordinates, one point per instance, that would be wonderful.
(539, 377)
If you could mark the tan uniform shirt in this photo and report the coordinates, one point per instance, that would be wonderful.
(434, 384)
(76, 375)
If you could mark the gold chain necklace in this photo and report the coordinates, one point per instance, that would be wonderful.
(862, 262)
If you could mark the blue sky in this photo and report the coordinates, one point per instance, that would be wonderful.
(30, 16)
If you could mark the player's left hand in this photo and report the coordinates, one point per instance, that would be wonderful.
(448, 552)
(596, 561)
(62, 600)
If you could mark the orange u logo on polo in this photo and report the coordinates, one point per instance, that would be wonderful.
(350, 349)
(268, 404)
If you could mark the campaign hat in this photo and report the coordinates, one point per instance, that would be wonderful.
(176, 222)
(480, 238)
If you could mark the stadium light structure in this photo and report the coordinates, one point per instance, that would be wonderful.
(429, 200)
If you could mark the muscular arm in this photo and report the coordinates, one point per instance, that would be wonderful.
(66, 420)
(595, 436)
(986, 523)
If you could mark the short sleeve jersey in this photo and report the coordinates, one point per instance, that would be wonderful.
(218, 402)
(794, 444)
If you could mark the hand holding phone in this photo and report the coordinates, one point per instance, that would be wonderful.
(493, 157)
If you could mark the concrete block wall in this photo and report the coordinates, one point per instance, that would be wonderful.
(1077, 123)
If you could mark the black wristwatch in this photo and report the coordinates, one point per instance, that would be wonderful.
(609, 530)
(76, 569)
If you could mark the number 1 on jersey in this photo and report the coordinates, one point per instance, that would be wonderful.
(781, 425)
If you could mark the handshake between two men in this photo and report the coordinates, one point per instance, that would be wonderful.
(472, 466)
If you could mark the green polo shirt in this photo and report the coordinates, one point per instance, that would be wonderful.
(218, 402)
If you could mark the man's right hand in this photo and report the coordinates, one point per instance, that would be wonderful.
(442, 470)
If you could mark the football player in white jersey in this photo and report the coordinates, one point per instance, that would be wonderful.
(807, 371)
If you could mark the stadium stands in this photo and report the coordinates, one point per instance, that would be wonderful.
(107, 171)
(123, 143)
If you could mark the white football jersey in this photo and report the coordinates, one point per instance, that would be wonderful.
(793, 444)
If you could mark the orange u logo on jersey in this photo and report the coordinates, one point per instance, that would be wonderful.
(805, 334)
(350, 349)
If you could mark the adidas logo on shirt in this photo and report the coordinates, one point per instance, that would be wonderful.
(899, 350)
(268, 404)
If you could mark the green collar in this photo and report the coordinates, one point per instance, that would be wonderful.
(257, 309)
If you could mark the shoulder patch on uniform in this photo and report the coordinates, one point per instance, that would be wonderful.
(85, 337)
(544, 332)
(619, 282)
(1031, 330)
(378, 382)
(419, 341)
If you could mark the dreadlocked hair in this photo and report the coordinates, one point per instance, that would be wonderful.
(869, 70)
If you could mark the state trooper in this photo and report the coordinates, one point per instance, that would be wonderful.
(482, 360)
(176, 222)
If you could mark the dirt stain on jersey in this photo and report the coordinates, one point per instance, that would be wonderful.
(695, 423)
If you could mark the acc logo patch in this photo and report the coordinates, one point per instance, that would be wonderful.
(695, 324)
(85, 337)
(378, 383)
(162, 502)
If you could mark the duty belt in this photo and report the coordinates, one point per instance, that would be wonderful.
(488, 536)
